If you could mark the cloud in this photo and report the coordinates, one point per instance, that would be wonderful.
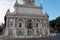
(4, 5)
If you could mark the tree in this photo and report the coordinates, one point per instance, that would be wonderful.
(58, 23)
(52, 23)
(55, 24)
(58, 20)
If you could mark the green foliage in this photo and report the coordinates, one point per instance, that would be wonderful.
(52, 23)
(58, 20)
(55, 23)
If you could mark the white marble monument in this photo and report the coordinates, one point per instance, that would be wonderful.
(26, 20)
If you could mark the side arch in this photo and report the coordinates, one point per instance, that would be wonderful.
(20, 23)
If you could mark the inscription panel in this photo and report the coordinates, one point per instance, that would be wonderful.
(30, 11)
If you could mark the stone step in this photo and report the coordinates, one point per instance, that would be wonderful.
(39, 38)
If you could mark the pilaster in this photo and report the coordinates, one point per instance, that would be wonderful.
(25, 34)
(14, 29)
(34, 27)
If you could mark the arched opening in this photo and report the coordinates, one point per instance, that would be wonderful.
(20, 23)
(37, 23)
(29, 27)
(29, 24)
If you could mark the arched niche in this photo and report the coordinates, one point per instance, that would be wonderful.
(37, 23)
(29, 24)
(29, 27)
(20, 23)
(20, 27)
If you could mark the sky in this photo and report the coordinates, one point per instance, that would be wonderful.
(52, 7)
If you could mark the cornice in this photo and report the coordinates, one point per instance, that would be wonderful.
(28, 6)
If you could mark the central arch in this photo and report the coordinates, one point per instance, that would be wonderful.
(29, 27)
(29, 24)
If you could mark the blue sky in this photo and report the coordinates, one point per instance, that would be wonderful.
(52, 7)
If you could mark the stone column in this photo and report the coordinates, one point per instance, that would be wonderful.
(40, 27)
(17, 25)
(40, 23)
(14, 29)
(25, 30)
(34, 31)
(34, 27)
(33, 23)
(48, 27)
(6, 30)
